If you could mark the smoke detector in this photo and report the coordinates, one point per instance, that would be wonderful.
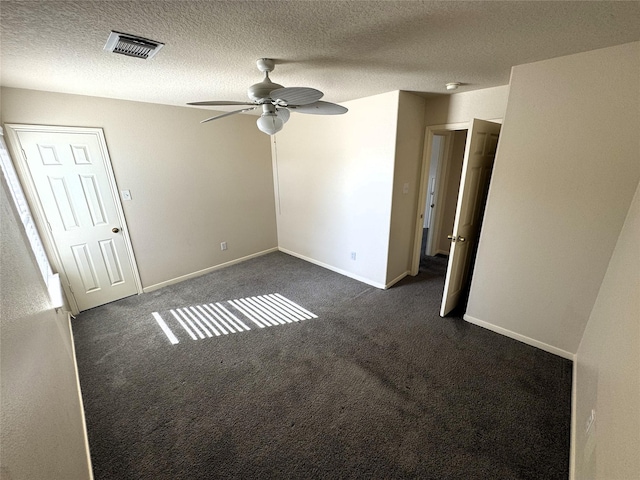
(132, 45)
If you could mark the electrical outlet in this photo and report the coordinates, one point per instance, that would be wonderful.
(223, 246)
(353, 255)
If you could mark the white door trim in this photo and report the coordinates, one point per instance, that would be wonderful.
(430, 131)
(422, 196)
(38, 211)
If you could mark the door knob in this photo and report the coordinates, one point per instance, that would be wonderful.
(461, 239)
(115, 229)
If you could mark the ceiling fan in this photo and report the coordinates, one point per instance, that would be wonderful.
(277, 102)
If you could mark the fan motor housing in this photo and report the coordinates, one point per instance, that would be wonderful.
(259, 92)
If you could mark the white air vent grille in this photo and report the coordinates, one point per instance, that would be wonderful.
(132, 45)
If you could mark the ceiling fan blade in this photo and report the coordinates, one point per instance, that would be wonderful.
(283, 113)
(320, 108)
(220, 102)
(295, 96)
(227, 114)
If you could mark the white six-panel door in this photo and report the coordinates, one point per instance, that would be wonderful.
(69, 172)
(480, 152)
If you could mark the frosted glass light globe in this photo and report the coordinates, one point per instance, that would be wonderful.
(270, 123)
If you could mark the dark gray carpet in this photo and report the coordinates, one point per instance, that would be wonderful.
(377, 387)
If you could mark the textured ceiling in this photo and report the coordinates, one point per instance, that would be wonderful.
(347, 49)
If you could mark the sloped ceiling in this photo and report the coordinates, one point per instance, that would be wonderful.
(347, 49)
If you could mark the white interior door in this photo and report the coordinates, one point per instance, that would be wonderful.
(69, 174)
(480, 152)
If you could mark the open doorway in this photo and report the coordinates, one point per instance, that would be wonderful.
(442, 185)
(457, 165)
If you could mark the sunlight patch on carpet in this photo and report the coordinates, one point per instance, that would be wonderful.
(215, 319)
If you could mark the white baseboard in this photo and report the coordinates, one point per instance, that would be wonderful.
(521, 338)
(182, 278)
(443, 252)
(82, 417)
(574, 426)
(335, 269)
(396, 280)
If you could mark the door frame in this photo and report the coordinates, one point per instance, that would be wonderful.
(30, 191)
(442, 175)
(430, 132)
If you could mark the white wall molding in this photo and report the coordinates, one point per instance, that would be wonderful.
(204, 271)
(521, 338)
(574, 411)
(337, 270)
(396, 280)
(77, 375)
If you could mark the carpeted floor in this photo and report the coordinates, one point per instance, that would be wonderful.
(378, 386)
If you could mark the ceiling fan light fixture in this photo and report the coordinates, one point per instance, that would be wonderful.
(284, 114)
(277, 102)
(269, 122)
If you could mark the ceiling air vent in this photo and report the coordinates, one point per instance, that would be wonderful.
(132, 45)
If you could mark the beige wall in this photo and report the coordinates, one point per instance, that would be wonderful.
(335, 183)
(193, 186)
(41, 416)
(341, 179)
(408, 162)
(565, 172)
(608, 367)
(486, 104)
